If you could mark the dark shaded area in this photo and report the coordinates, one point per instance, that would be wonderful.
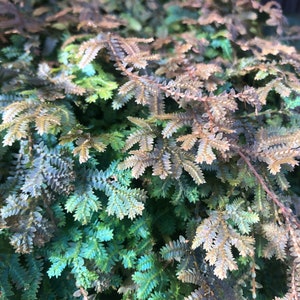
(288, 6)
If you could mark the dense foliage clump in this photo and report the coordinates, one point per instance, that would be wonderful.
(149, 150)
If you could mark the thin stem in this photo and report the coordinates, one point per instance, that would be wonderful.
(284, 210)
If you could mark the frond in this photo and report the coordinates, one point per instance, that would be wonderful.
(277, 238)
(190, 276)
(195, 295)
(34, 269)
(83, 203)
(221, 105)
(144, 136)
(50, 167)
(7, 99)
(145, 262)
(140, 60)
(291, 102)
(176, 121)
(261, 205)
(122, 200)
(44, 122)
(243, 219)
(13, 110)
(130, 44)
(32, 230)
(84, 142)
(58, 264)
(207, 143)
(194, 170)
(139, 228)
(275, 84)
(146, 282)
(127, 87)
(174, 249)
(64, 82)
(125, 202)
(205, 152)
(138, 161)
(18, 276)
(276, 146)
(172, 127)
(217, 239)
(250, 96)
(162, 166)
(120, 101)
(47, 118)
(282, 181)
(89, 50)
(159, 296)
(129, 52)
(188, 141)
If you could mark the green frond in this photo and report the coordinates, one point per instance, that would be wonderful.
(18, 272)
(114, 139)
(35, 268)
(282, 181)
(260, 204)
(83, 276)
(114, 250)
(292, 102)
(241, 218)
(128, 258)
(101, 232)
(100, 85)
(122, 200)
(159, 296)
(174, 249)
(146, 282)
(18, 277)
(5, 285)
(83, 203)
(139, 228)
(146, 262)
(59, 213)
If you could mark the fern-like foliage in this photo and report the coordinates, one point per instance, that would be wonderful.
(192, 269)
(31, 193)
(18, 280)
(19, 116)
(147, 276)
(157, 168)
(276, 149)
(122, 200)
(175, 249)
(217, 238)
(277, 238)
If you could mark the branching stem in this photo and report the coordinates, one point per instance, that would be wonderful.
(287, 213)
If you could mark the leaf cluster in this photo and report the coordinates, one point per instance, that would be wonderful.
(147, 150)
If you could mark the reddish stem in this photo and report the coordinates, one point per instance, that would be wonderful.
(287, 213)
